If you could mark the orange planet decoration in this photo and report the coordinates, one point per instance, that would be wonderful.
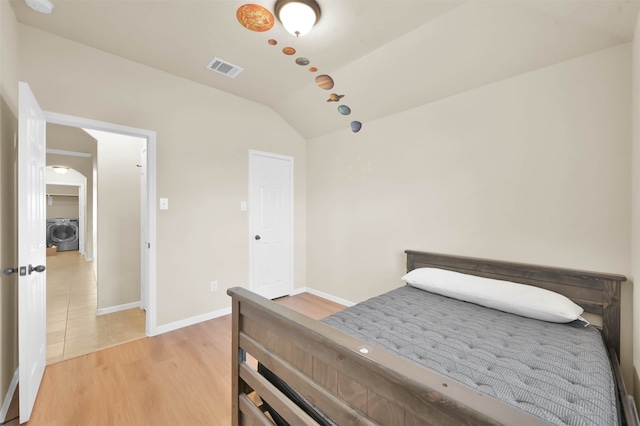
(324, 82)
(255, 17)
(289, 51)
(272, 42)
(313, 69)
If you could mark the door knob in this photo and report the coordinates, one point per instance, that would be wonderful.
(39, 268)
(9, 271)
(257, 237)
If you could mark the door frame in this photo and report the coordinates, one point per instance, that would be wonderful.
(144, 207)
(150, 254)
(252, 153)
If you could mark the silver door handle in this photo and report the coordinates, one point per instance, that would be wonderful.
(39, 268)
(9, 271)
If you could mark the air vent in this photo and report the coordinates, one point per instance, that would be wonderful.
(223, 67)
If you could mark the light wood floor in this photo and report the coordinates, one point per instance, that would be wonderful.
(73, 328)
(177, 378)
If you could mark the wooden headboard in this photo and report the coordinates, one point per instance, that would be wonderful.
(597, 293)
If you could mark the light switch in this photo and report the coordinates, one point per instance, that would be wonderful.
(164, 204)
(243, 206)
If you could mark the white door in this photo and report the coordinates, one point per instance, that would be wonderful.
(270, 224)
(32, 302)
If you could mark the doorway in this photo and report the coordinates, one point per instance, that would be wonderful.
(148, 213)
(96, 303)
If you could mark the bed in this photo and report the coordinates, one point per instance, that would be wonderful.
(352, 379)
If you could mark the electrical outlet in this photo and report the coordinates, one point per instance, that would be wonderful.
(214, 285)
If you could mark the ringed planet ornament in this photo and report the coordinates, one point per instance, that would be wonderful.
(334, 97)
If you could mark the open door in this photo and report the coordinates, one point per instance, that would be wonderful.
(32, 302)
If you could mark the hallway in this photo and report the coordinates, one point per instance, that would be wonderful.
(73, 328)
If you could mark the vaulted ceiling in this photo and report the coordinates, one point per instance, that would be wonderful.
(384, 56)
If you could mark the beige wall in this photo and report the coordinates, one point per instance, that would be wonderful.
(532, 169)
(203, 138)
(77, 140)
(62, 205)
(8, 182)
(118, 220)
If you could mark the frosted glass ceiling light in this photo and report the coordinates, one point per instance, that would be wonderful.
(297, 16)
(42, 6)
(60, 169)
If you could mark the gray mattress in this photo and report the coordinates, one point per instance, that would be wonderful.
(559, 372)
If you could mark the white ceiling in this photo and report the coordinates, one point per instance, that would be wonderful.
(384, 56)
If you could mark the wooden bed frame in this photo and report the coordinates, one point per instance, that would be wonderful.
(331, 369)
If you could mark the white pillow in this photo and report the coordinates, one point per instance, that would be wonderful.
(507, 296)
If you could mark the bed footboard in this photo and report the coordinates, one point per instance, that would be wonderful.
(348, 380)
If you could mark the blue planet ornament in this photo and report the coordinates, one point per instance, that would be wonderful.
(344, 110)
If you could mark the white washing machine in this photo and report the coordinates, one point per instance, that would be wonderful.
(63, 233)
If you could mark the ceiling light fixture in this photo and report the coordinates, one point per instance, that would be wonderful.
(60, 169)
(297, 16)
(42, 6)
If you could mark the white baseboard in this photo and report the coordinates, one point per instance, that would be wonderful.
(117, 308)
(323, 295)
(9, 396)
(191, 321)
(226, 311)
(89, 259)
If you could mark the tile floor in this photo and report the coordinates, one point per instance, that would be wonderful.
(73, 328)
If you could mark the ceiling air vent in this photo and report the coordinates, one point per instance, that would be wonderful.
(223, 67)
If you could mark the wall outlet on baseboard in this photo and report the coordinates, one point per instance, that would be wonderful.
(214, 285)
